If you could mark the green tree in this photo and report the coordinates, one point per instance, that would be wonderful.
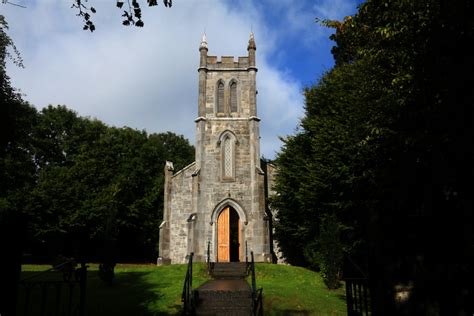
(16, 118)
(17, 171)
(388, 129)
(99, 183)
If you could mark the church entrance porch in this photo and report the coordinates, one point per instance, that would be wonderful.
(228, 235)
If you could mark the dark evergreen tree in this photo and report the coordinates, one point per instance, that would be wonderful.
(389, 130)
(17, 172)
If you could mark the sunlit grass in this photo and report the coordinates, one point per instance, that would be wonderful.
(136, 289)
(145, 289)
(289, 290)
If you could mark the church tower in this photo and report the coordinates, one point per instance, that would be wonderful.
(218, 202)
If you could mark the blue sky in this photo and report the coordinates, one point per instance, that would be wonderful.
(147, 78)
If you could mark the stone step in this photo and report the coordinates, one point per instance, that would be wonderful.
(229, 270)
(227, 303)
(221, 298)
(224, 297)
(223, 303)
(229, 264)
(238, 271)
(228, 276)
(224, 311)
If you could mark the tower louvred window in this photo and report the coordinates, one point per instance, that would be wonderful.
(220, 97)
(233, 97)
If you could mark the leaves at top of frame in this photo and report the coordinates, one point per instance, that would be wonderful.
(84, 13)
(132, 15)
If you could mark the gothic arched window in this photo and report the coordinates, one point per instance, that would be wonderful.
(227, 143)
(233, 96)
(220, 97)
(228, 158)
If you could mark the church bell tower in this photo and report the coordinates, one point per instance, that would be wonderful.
(225, 212)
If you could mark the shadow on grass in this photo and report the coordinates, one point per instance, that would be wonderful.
(269, 309)
(342, 297)
(132, 293)
(290, 312)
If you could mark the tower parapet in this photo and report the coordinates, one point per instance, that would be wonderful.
(227, 62)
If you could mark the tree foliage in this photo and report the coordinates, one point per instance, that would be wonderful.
(384, 146)
(97, 182)
(16, 120)
(78, 183)
(16, 171)
(132, 12)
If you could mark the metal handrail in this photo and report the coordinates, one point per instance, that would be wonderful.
(54, 301)
(258, 307)
(186, 296)
(209, 257)
(247, 263)
(56, 267)
(257, 299)
(252, 273)
(246, 253)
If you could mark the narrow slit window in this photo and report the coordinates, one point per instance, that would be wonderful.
(233, 97)
(220, 97)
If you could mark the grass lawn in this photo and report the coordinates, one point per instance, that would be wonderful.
(150, 290)
(289, 290)
(137, 289)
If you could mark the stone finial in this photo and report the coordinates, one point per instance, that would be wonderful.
(169, 166)
(252, 42)
(203, 41)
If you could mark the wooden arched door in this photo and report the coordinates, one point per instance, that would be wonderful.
(228, 235)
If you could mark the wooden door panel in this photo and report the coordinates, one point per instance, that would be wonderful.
(223, 236)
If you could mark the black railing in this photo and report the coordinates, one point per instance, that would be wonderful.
(210, 265)
(187, 295)
(248, 264)
(246, 253)
(357, 296)
(53, 295)
(257, 295)
(258, 307)
(357, 287)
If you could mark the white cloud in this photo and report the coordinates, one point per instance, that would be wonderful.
(147, 78)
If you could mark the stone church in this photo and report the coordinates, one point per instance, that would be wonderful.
(220, 200)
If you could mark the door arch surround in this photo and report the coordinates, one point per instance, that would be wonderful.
(242, 222)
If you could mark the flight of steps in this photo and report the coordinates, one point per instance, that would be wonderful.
(229, 270)
(227, 294)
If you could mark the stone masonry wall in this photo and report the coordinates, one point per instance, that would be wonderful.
(271, 174)
(181, 209)
(243, 92)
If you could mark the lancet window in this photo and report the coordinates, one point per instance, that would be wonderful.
(227, 143)
(233, 96)
(220, 97)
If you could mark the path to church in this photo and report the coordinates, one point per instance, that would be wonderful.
(227, 294)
